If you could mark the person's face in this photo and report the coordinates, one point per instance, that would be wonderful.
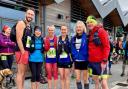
(79, 29)
(51, 31)
(64, 30)
(8, 31)
(30, 15)
(90, 25)
(37, 33)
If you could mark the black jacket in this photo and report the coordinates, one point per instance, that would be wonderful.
(32, 45)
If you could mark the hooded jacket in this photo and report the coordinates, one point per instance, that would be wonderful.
(100, 52)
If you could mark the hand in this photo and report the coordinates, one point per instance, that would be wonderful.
(22, 52)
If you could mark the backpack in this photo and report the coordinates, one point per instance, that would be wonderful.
(13, 32)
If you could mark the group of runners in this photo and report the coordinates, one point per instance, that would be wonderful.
(87, 52)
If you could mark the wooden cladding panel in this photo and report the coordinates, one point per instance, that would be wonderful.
(53, 10)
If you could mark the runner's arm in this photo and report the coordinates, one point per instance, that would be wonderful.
(105, 43)
(19, 34)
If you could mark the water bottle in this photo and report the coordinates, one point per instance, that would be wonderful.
(28, 41)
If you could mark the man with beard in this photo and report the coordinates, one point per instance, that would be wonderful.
(23, 37)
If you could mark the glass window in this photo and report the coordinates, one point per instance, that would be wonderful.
(7, 22)
(0, 24)
(57, 31)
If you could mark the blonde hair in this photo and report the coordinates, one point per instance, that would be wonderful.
(51, 26)
(83, 25)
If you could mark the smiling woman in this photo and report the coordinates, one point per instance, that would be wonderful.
(64, 60)
(50, 46)
(36, 57)
(79, 51)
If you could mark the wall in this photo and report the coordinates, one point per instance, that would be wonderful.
(53, 10)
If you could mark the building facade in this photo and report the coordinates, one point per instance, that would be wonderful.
(48, 12)
(58, 14)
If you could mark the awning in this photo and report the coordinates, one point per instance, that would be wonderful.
(107, 8)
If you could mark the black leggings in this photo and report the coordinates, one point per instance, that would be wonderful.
(35, 68)
(6, 61)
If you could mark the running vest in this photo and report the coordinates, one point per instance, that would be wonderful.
(64, 45)
(50, 47)
(64, 50)
(26, 39)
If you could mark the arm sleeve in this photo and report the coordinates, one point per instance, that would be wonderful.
(42, 50)
(2, 42)
(12, 44)
(74, 52)
(46, 45)
(105, 43)
(124, 44)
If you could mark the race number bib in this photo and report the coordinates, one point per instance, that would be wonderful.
(51, 53)
(63, 55)
(3, 57)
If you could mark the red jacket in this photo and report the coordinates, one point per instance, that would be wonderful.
(47, 43)
(99, 53)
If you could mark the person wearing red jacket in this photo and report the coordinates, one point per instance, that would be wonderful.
(50, 47)
(99, 49)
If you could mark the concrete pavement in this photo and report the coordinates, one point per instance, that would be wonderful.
(115, 81)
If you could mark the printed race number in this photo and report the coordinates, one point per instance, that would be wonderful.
(51, 53)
